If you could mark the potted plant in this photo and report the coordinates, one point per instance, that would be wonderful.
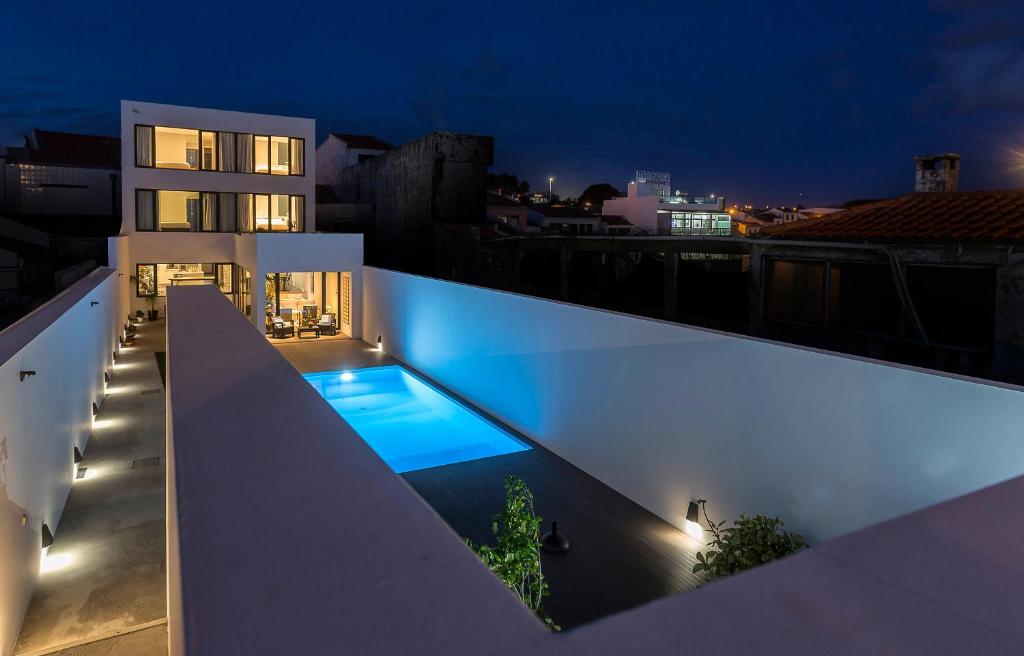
(153, 313)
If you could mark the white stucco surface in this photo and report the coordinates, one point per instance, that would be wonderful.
(68, 343)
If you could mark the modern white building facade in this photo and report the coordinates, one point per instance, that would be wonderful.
(652, 209)
(227, 198)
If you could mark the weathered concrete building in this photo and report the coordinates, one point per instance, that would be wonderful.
(437, 179)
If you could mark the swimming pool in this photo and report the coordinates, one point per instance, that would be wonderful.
(410, 424)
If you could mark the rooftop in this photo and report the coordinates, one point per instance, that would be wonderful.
(363, 141)
(959, 216)
(69, 149)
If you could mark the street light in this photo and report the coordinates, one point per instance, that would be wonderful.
(551, 181)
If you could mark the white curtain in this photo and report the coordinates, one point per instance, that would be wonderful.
(145, 216)
(298, 213)
(227, 212)
(244, 150)
(296, 158)
(143, 145)
(226, 145)
(209, 212)
(244, 202)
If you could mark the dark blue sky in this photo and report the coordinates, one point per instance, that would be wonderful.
(761, 101)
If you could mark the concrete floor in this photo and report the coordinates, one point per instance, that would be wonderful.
(109, 595)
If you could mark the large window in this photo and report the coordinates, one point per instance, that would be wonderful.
(203, 211)
(278, 212)
(192, 149)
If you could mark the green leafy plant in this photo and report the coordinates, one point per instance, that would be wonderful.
(515, 556)
(750, 542)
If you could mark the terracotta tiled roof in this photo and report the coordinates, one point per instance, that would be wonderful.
(364, 141)
(987, 216)
(66, 148)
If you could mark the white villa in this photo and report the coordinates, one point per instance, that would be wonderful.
(257, 517)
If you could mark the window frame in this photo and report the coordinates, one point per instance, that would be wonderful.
(138, 278)
(218, 154)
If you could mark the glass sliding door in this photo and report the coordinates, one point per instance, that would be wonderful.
(261, 154)
(279, 155)
(177, 148)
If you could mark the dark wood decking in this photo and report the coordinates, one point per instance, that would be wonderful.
(621, 555)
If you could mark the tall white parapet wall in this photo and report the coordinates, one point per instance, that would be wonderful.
(67, 345)
(666, 413)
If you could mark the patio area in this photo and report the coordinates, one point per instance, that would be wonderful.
(621, 555)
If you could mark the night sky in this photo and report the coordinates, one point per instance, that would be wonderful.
(760, 101)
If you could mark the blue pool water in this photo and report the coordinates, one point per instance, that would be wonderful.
(410, 424)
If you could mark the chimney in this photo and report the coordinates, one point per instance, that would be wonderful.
(937, 172)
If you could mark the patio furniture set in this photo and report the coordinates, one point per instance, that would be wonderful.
(281, 328)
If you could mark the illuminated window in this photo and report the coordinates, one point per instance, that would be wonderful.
(178, 210)
(297, 157)
(279, 155)
(177, 148)
(298, 210)
(209, 154)
(261, 154)
(145, 280)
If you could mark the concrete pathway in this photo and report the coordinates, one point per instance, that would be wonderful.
(103, 587)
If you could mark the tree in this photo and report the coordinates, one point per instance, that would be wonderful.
(506, 184)
(594, 196)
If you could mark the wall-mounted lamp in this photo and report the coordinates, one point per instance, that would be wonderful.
(47, 537)
(113, 355)
(95, 409)
(93, 303)
(693, 527)
(380, 343)
(22, 375)
(106, 377)
(77, 455)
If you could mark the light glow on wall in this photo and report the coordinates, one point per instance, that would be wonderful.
(694, 530)
(54, 562)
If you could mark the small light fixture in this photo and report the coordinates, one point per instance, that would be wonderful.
(93, 303)
(78, 455)
(106, 377)
(47, 537)
(554, 541)
(380, 343)
(80, 474)
(347, 377)
(693, 527)
(22, 375)
(95, 409)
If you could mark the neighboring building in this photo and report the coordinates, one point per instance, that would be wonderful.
(26, 268)
(507, 212)
(407, 191)
(746, 224)
(225, 198)
(62, 174)
(652, 210)
(930, 278)
(937, 172)
(614, 224)
(564, 220)
(341, 151)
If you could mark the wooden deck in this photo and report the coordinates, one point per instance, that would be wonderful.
(621, 555)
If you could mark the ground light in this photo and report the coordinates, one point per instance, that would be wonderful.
(380, 344)
(693, 527)
(347, 377)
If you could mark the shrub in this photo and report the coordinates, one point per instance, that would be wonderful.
(515, 557)
(750, 542)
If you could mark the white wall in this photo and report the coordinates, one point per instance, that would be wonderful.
(68, 343)
(655, 410)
